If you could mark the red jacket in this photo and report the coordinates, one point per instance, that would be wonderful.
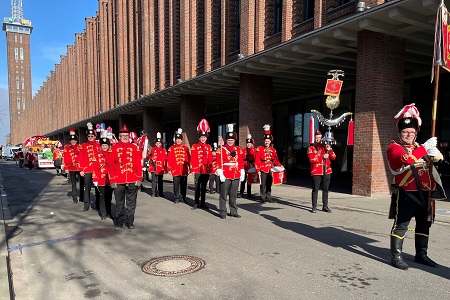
(201, 158)
(318, 163)
(230, 160)
(157, 160)
(125, 163)
(88, 155)
(30, 156)
(71, 157)
(249, 157)
(178, 159)
(214, 164)
(57, 155)
(101, 168)
(398, 158)
(265, 159)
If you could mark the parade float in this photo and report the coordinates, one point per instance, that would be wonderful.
(42, 148)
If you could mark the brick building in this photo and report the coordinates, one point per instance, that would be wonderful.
(160, 65)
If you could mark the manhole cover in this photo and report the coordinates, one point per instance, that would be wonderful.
(173, 265)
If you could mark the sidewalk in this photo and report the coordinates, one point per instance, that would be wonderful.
(289, 197)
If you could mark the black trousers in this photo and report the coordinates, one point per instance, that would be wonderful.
(405, 209)
(179, 187)
(201, 180)
(87, 178)
(265, 189)
(249, 186)
(74, 177)
(213, 178)
(126, 195)
(228, 188)
(157, 180)
(105, 199)
(318, 181)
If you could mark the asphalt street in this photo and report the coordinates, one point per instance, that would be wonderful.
(275, 251)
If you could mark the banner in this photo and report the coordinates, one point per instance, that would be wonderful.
(333, 87)
(441, 55)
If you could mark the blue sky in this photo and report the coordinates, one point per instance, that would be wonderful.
(55, 23)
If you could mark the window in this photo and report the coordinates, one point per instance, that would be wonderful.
(17, 83)
(16, 53)
(21, 39)
(308, 10)
(278, 15)
(23, 83)
(15, 38)
(18, 103)
(301, 130)
(21, 53)
(23, 103)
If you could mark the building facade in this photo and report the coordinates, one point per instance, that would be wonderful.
(160, 65)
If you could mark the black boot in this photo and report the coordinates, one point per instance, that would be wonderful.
(421, 242)
(396, 253)
(86, 206)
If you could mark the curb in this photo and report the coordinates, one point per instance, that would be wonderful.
(6, 288)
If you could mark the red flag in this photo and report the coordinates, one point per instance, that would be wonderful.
(311, 130)
(350, 136)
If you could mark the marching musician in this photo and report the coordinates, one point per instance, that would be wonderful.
(178, 160)
(157, 166)
(249, 153)
(100, 177)
(72, 165)
(409, 163)
(266, 158)
(320, 156)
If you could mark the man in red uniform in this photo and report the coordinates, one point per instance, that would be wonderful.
(201, 164)
(72, 165)
(100, 178)
(125, 176)
(20, 157)
(249, 162)
(409, 163)
(88, 157)
(57, 156)
(230, 169)
(320, 156)
(213, 178)
(178, 159)
(157, 166)
(266, 158)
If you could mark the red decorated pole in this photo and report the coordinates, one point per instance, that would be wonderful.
(350, 135)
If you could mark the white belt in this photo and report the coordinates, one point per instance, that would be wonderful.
(230, 164)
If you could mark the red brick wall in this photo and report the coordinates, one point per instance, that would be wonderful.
(192, 110)
(255, 105)
(375, 107)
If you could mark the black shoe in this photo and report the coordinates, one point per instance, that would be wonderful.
(262, 201)
(194, 207)
(223, 216)
(86, 207)
(75, 200)
(103, 218)
(117, 228)
(161, 195)
(326, 209)
(204, 206)
(314, 210)
(239, 195)
(176, 201)
(131, 226)
(425, 260)
(234, 216)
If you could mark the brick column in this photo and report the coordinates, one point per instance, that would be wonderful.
(152, 121)
(247, 27)
(319, 13)
(255, 106)
(191, 112)
(287, 23)
(379, 96)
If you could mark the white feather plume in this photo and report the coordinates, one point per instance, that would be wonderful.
(158, 135)
(266, 127)
(179, 131)
(90, 126)
(230, 127)
(249, 136)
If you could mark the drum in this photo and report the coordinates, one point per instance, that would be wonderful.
(253, 176)
(278, 175)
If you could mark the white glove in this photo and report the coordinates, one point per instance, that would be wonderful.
(430, 143)
(433, 151)
(95, 183)
(113, 185)
(219, 173)
(242, 178)
(138, 183)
